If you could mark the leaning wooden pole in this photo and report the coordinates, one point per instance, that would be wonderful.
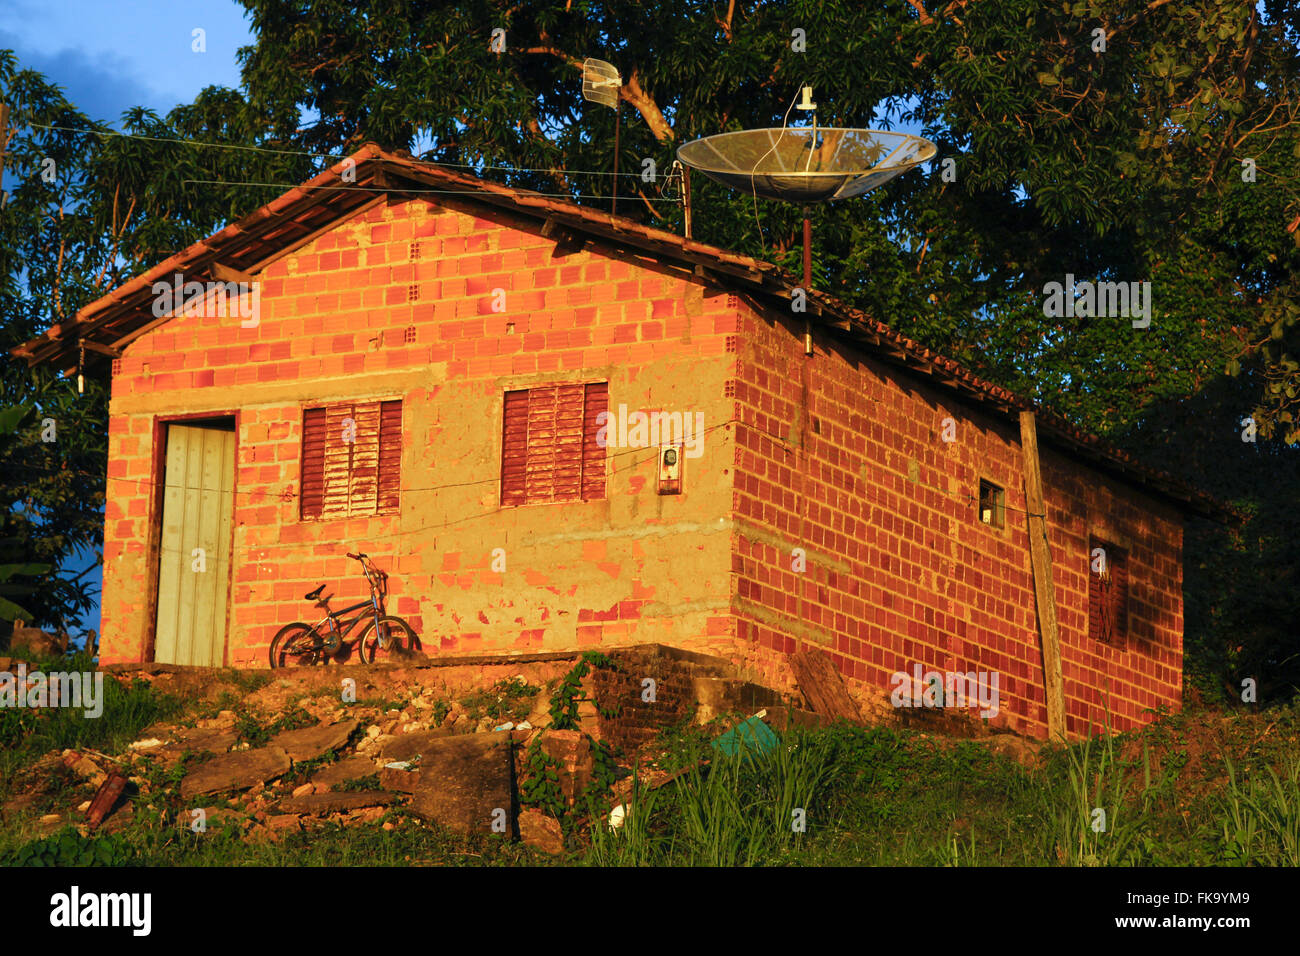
(1044, 591)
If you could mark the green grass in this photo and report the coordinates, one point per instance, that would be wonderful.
(25, 735)
(1203, 788)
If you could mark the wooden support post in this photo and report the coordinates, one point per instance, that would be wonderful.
(1044, 591)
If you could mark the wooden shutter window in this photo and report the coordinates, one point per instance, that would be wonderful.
(548, 444)
(361, 476)
(312, 499)
(1108, 594)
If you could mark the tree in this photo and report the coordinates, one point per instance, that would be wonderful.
(89, 209)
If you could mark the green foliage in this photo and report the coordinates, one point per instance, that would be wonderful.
(1096, 824)
(251, 729)
(1261, 817)
(540, 785)
(68, 848)
(738, 810)
(368, 782)
(126, 711)
(564, 702)
(506, 700)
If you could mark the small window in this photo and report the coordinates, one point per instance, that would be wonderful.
(549, 447)
(993, 505)
(1107, 591)
(351, 459)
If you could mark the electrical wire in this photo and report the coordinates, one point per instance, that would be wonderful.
(333, 156)
(753, 172)
(404, 190)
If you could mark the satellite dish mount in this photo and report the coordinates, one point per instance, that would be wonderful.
(600, 84)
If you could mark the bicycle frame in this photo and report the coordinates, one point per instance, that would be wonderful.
(334, 623)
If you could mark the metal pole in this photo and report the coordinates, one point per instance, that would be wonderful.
(686, 197)
(807, 250)
(807, 279)
(613, 208)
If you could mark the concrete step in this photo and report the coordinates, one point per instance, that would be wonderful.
(716, 696)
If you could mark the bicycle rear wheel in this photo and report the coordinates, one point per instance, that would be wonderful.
(296, 645)
(391, 640)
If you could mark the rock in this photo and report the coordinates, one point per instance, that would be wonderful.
(318, 803)
(373, 731)
(411, 745)
(274, 828)
(199, 740)
(235, 771)
(83, 806)
(119, 819)
(305, 789)
(403, 781)
(464, 780)
(37, 642)
(19, 804)
(541, 831)
(149, 743)
(312, 742)
(523, 725)
(84, 767)
(368, 815)
(353, 768)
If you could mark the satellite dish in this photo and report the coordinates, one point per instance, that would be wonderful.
(600, 82)
(806, 164)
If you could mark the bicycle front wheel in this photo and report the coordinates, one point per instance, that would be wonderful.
(296, 645)
(392, 639)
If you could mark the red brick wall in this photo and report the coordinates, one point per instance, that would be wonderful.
(333, 327)
(900, 571)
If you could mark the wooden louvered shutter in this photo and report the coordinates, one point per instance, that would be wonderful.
(363, 467)
(390, 456)
(351, 467)
(548, 445)
(566, 466)
(313, 463)
(593, 455)
(514, 449)
(1108, 594)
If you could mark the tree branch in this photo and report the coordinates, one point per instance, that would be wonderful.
(926, 19)
(647, 107)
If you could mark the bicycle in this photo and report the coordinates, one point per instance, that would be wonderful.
(302, 644)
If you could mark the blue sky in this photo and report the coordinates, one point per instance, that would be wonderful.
(110, 55)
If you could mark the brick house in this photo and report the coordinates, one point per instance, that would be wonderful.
(421, 374)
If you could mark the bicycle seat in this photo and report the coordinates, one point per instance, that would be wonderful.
(314, 594)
